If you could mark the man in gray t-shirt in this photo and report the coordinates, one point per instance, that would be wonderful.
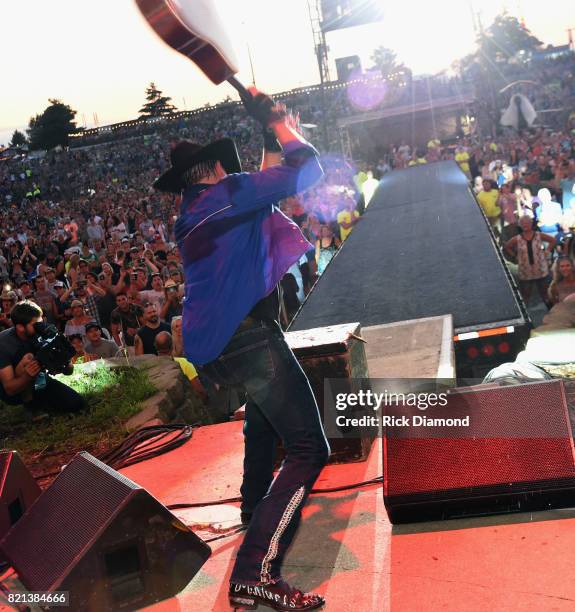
(96, 344)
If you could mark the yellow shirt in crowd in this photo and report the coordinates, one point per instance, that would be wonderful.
(462, 158)
(359, 179)
(488, 201)
(187, 368)
(345, 217)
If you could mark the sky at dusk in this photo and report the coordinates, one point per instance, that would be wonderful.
(99, 57)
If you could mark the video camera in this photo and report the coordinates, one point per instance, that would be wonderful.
(52, 349)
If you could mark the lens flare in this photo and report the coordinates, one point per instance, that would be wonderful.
(366, 92)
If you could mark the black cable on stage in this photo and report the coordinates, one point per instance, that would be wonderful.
(350, 487)
(357, 485)
(219, 502)
(141, 445)
(226, 535)
(146, 443)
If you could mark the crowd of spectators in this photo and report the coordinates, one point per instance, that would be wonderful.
(525, 184)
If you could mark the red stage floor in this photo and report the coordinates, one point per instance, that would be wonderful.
(339, 548)
(347, 550)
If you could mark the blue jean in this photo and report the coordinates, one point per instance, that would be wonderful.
(281, 404)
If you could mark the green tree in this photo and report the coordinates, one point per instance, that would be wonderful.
(52, 127)
(18, 139)
(386, 61)
(505, 37)
(157, 104)
(500, 42)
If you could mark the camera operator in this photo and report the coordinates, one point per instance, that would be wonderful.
(19, 368)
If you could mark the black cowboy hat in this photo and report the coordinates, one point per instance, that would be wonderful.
(187, 154)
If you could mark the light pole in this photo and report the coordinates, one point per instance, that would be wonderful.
(322, 62)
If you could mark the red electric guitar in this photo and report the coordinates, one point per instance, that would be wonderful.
(194, 29)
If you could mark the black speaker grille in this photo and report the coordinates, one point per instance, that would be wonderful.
(47, 539)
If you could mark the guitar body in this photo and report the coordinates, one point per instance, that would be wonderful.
(194, 29)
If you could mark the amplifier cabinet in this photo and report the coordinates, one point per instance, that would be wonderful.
(336, 351)
(515, 455)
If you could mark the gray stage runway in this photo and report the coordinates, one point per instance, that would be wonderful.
(421, 249)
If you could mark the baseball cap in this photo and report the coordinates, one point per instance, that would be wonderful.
(170, 283)
(76, 303)
(92, 325)
(58, 284)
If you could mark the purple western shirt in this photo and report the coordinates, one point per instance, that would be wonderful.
(236, 246)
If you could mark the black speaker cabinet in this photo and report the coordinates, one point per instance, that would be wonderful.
(346, 66)
(104, 539)
(18, 490)
(333, 352)
(496, 450)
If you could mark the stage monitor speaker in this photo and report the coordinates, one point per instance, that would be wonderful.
(18, 490)
(346, 66)
(104, 539)
(515, 454)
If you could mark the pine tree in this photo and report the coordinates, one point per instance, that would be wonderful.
(386, 61)
(157, 104)
(505, 37)
(18, 139)
(52, 127)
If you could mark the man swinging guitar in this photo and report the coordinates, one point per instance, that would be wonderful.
(236, 246)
